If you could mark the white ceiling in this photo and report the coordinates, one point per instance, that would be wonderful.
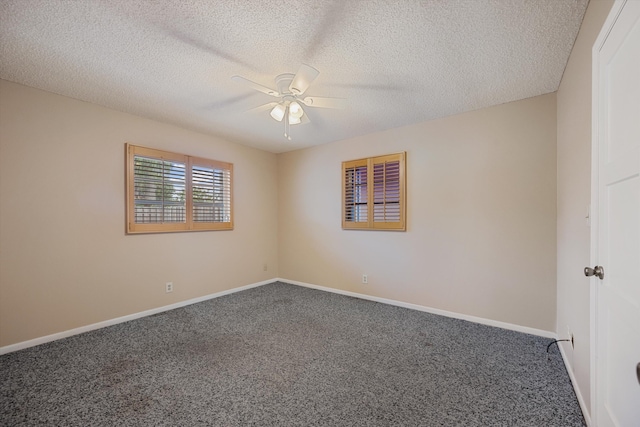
(396, 62)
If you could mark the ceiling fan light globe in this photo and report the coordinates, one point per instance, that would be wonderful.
(295, 110)
(278, 112)
(294, 120)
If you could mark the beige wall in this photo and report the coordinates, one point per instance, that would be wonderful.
(65, 261)
(574, 186)
(481, 215)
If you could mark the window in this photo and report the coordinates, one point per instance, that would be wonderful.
(373, 193)
(174, 192)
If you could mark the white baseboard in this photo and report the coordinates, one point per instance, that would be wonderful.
(53, 337)
(574, 383)
(104, 324)
(481, 320)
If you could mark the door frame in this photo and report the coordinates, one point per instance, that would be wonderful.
(597, 106)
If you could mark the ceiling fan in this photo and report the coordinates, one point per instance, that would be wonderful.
(290, 93)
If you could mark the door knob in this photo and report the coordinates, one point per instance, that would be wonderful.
(598, 272)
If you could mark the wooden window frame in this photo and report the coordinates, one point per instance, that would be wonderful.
(189, 161)
(371, 222)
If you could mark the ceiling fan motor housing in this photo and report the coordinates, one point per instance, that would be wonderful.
(283, 81)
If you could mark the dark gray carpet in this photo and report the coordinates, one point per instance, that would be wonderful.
(285, 355)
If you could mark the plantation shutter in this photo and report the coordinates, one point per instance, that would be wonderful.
(356, 194)
(374, 193)
(388, 191)
(159, 191)
(158, 197)
(211, 196)
(174, 192)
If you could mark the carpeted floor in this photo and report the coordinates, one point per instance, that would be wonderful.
(285, 355)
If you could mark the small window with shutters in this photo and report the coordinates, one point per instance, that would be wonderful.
(373, 193)
(174, 192)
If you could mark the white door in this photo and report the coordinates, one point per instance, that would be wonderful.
(616, 230)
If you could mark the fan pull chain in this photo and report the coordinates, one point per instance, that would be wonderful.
(287, 127)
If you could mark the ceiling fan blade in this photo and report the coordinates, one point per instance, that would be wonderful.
(318, 101)
(255, 86)
(303, 78)
(263, 107)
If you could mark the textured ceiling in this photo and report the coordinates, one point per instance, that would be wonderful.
(396, 62)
